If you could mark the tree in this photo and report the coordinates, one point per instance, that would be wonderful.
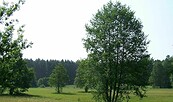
(15, 76)
(20, 77)
(118, 46)
(43, 82)
(71, 70)
(85, 75)
(161, 75)
(58, 78)
(168, 64)
(43, 68)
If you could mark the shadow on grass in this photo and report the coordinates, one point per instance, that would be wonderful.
(86, 92)
(64, 93)
(20, 95)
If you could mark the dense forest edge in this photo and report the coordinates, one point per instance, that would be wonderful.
(161, 71)
(43, 69)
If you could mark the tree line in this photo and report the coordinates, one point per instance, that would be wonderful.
(162, 73)
(43, 69)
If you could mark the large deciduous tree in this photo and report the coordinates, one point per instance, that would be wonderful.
(58, 78)
(118, 47)
(15, 76)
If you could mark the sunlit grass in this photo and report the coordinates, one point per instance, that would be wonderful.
(156, 95)
(69, 94)
(72, 94)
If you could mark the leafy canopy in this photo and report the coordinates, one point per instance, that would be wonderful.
(15, 76)
(117, 47)
(85, 75)
(59, 77)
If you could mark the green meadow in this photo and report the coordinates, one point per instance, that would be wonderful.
(72, 94)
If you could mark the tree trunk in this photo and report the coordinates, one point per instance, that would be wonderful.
(58, 88)
(11, 91)
(86, 89)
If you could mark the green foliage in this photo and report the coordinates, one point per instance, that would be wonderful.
(15, 76)
(43, 68)
(43, 82)
(58, 78)
(117, 47)
(161, 75)
(85, 75)
(20, 77)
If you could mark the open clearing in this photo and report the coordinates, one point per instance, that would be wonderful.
(72, 94)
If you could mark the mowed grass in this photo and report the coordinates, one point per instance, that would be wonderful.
(72, 94)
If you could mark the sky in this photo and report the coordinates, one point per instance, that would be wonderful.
(56, 27)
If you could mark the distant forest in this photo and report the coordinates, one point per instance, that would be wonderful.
(161, 71)
(43, 69)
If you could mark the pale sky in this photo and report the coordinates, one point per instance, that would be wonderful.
(56, 27)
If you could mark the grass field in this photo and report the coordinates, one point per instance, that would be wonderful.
(71, 94)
